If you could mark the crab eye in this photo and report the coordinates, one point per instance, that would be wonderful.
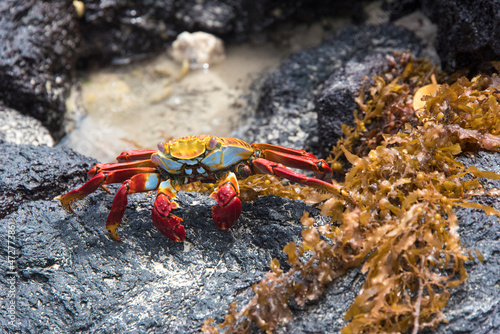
(212, 143)
(161, 147)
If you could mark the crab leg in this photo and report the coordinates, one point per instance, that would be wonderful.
(137, 183)
(133, 155)
(167, 223)
(115, 166)
(283, 149)
(264, 166)
(228, 208)
(102, 177)
(296, 159)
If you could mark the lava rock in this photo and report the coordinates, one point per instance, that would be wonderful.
(305, 102)
(34, 172)
(474, 306)
(39, 46)
(67, 275)
(400, 8)
(335, 103)
(21, 129)
(119, 30)
(468, 33)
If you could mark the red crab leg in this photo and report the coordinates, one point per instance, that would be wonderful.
(137, 183)
(133, 155)
(228, 208)
(115, 166)
(99, 179)
(296, 159)
(264, 166)
(277, 148)
(167, 223)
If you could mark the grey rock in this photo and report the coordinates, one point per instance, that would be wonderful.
(121, 30)
(70, 276)
(312, 93)
(37, 172)
(474, 306)
(67, 275)
(21, 129)
(335, 102)
(400, 8)
(468, 34)
(38, 48)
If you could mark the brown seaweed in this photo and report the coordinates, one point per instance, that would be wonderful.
(406, 180)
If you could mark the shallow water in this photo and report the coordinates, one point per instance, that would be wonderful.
(134, 106)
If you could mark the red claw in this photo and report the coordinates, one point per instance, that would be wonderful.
(228, 208)
(169, 225)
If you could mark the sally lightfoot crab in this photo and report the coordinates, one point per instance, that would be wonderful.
(198, 158)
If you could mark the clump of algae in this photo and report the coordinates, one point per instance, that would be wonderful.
(260, 185)
(406, 180)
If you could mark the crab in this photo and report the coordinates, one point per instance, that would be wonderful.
(219, 160)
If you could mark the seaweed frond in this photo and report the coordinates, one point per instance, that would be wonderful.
(406, 180)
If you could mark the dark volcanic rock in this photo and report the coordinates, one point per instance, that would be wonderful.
(306, 101)
(37, 172)
(335, 102)
(468, 32)
(38, 50)
(67, 275)
(474, 306)
(122, 29)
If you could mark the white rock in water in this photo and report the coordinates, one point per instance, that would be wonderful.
(198, 48)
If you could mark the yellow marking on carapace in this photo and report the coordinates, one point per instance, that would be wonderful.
(188, 147)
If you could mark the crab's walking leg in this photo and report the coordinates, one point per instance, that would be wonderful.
(116, 166)
(102, 177)
(296, 159)
(167, 223)
(134, 155)
(264, 166)
(137, 183)
(228, 208)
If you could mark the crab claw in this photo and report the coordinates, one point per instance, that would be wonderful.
(168, 224)
(228, 208)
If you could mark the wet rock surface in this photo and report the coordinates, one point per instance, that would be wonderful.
(468, 34)
(69, 276)
(37, 172)
(122, 29)
(38, 47)
(313, 91)
(474, 306)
